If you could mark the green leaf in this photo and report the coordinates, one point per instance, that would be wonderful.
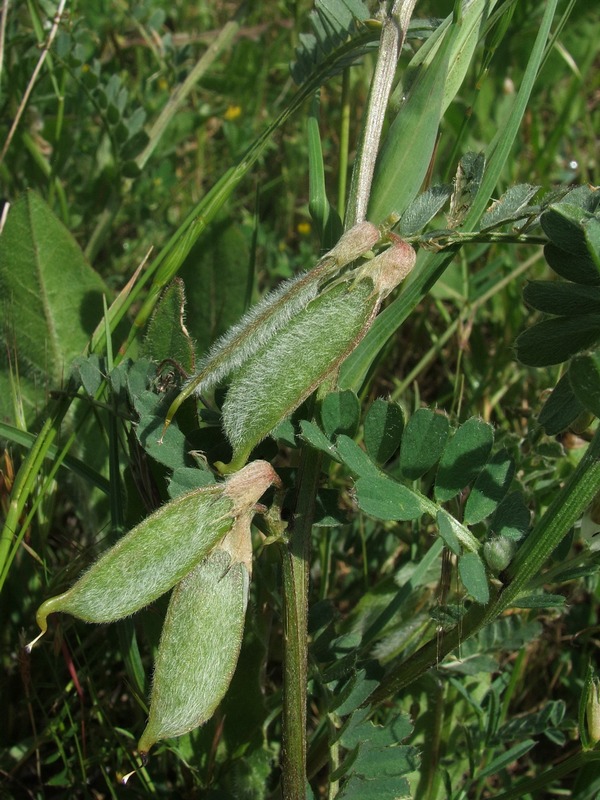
(423, 209)
(383, 498)
(507, 758)
(90, 372)
(355, 457)
(563, 224)
(579, 269)
(218, 278)
(562, 299)
(561, 409)
(591, 228)
(406, 151)
(383, 426)
(172, 449)
(535, 723)
(507, 208)
(130, 169)
(471, 665)
(332, 23)
(51, 301)
(511, 632)
(185, 479)
(556, 340)
(377, 761)
(359, 788)
(473, 576)
(285, 433)
(490, 488)
(327, 509)
(315, 437)
(539, 600)
(584, 377)
(455, 535)
(446, 528)
(423, 442)
(353, 694)
(167, 336)
(511, 518)
(463, 457)
(340, 413)
(360, 731)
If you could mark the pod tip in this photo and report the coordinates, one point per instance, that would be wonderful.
(29, 647)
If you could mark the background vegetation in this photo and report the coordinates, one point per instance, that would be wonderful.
(131, 122)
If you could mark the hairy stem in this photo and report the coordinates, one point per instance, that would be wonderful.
(393, 33)
(296, 566)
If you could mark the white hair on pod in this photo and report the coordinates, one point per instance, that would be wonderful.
(272, 383)
(275, 310)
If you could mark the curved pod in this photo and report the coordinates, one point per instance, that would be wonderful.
(156, 554)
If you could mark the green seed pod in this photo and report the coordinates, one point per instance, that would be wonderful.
(289, 367)
(498, 553)
(161, 550)
(593, 711)
(272, 313)
(201, 639)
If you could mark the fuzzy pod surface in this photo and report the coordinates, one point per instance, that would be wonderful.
(156, 554)
(287, 369)
(272, 313)
(199, 647)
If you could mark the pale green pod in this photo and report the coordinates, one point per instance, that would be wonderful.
(161, 550)
(272, 313)
(200, 641)
(287, 369)
(593, 711)
(498, 553)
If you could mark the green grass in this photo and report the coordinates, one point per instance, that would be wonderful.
(221, 194)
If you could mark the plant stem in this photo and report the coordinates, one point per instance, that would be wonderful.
(344, 143)
(566, 508)
(296, 567)
(393, 33)
(575, 762)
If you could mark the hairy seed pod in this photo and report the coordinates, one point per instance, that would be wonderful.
(272, 313)
(288, 368)
(161, 550)
(498, 553)
(201, 639)
(593, 711)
